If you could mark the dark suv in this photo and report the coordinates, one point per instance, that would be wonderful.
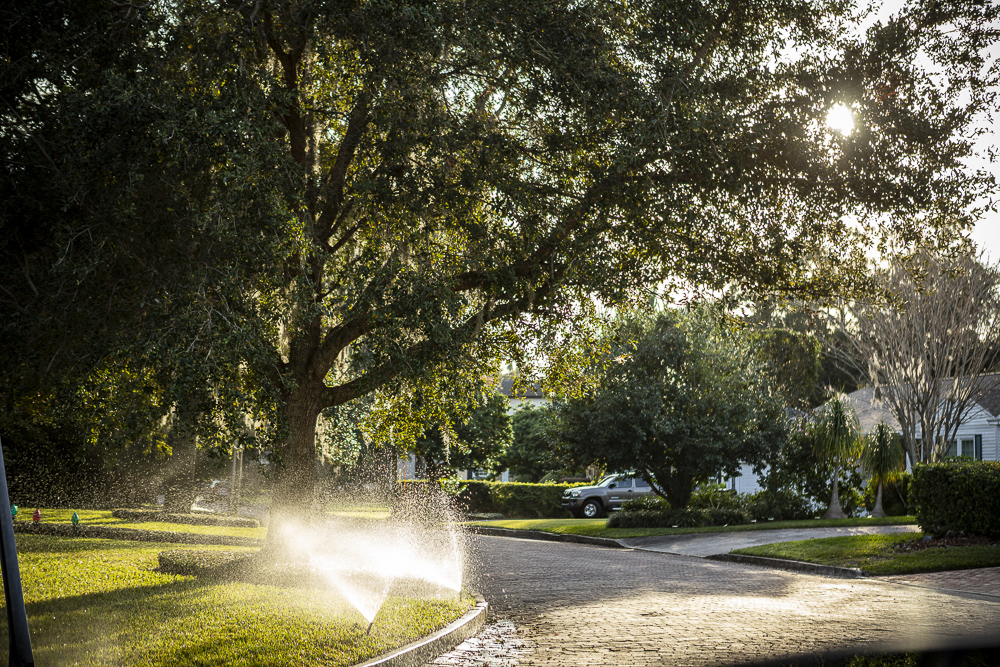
(594, 501)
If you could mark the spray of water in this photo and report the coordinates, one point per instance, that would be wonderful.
(366, 560)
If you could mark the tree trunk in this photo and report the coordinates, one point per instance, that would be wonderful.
(293, 495)
(834, 511)
(878, 511)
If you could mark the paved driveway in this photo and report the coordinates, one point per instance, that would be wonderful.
(574, 604)
(708, 544)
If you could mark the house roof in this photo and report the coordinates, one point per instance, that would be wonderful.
(532, 391)
(990, 401)
(871, 409)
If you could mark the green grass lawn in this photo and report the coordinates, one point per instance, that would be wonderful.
(597, 527)
(101, 602)
(875, 554)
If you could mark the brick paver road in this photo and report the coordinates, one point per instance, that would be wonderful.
(575, 604)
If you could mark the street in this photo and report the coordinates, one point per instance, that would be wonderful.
(574, 604)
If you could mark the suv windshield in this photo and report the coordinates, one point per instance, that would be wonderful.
(607, 480)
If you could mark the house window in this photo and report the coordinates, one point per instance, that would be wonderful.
(952, 449)
(968, 447)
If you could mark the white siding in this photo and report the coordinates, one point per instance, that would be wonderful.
(982, 423)
(978, 423)
(745, 482)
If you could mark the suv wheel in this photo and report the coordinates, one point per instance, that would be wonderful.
(591, 509)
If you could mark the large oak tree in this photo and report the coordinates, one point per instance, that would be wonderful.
(273, 208)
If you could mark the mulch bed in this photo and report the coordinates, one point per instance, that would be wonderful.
(938, 542)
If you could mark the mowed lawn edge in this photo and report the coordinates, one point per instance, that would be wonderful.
(598, 527)
(880, 554)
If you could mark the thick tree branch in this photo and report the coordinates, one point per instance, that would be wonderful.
(336, 179)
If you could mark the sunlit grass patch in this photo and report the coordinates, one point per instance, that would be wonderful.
(51, 515)
(597, 527)
(878, 555)
(358, 508)
(102, 602)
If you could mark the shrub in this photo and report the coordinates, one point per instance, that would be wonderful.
(222, 564)
(781, 505)
(717, 496)
(895, 496)
(115, 533)
(529, 500)
(851, 500)
(681, 518)
(959, 496)
(512, 499)
(642, 503)
(188, 518)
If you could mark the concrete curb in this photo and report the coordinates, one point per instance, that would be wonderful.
(426, 649)
(547, 537)
(793, 565)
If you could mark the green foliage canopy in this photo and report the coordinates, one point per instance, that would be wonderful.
(882, 455)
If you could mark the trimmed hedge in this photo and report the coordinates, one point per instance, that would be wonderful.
(114, 533)
(779, 505)
(512, 499)
(957, 496)
(679, 518)
(190, 519)
(217, 564)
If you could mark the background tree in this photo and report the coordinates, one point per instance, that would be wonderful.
(534, 452)
(277, 208)
(794, 471)
(926, 350)
(678, 400)
(884, 459)
(794, 362)
(803, 325)
(478, 442)
(838, 441)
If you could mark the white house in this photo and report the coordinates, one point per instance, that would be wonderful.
(977, 437)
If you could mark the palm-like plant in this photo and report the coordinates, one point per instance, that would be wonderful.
(838, 440)
(883, 458)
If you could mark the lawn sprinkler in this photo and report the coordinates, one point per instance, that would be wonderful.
(37, 516)
(13, 512)
(369, 630)
(75, 519)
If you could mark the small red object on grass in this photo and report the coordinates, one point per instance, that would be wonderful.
(37, 516)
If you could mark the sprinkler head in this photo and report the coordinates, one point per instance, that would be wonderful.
(13, 512)
(37, 516)
(75, 519)
(369, 630)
